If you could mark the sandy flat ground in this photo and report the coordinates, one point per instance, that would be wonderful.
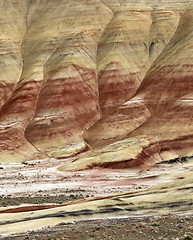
(40, 183)
(43, 177)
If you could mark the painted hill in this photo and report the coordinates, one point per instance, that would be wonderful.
(76, 75)
(101, 90)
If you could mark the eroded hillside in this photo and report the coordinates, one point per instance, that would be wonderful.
(95, 100)
(76, 75)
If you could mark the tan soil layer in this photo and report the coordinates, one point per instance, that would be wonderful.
(34, 186)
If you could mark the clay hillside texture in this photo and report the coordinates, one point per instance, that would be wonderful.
(96, 113)
(114, 76)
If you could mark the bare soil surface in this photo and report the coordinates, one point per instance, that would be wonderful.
(160, 228)
(41, 183)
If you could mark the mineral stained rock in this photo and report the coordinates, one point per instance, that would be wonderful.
(110, 76)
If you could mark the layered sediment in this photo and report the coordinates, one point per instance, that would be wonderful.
(86, 75)
(162, 103)
(172, 197)
(98, 86)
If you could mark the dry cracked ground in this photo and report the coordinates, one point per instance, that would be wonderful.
(96, 119)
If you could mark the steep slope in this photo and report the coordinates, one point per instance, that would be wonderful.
(164, 25)
(56, 53)
(125, 118)
(12, 28)
(68, 100)
(162, 113)
(123, 57)
(70, 66)
(95, 84)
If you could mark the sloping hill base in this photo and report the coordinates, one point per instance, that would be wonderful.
(93, 74)
(175, 197)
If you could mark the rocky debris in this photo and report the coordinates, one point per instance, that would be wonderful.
(115, 229)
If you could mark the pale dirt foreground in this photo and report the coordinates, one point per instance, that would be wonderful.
(162, 189)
